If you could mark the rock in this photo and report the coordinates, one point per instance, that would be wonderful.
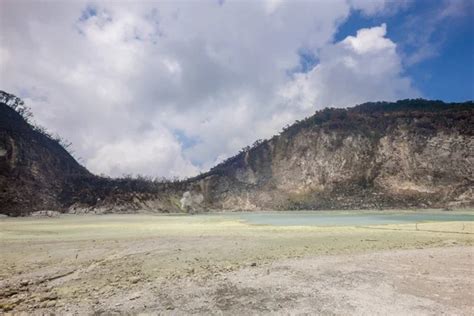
(50, 304)
(134, 296)
(46, 214)
(52, 296)
(9, 292)
(135, 280)
(7, 307)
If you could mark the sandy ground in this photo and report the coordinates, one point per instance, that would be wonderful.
(212, 265)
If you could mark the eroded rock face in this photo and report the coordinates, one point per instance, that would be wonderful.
(404, 154)
(439, 167)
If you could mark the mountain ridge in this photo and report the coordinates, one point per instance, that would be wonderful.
(404, 154)
(370, 122)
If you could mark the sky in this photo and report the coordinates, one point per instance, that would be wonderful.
(170, 88)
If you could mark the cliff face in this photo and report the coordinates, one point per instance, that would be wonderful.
(387, 155)
(34, 168)
(412, 153)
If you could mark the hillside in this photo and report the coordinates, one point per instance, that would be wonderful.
(412, 153)
(38, 174)
(34, 168)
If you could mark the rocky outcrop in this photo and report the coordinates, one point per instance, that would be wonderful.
(412, 153)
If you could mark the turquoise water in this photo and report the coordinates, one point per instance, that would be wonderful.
(344, 218)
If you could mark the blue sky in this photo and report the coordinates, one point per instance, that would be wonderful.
(170, 88)
(448, 74)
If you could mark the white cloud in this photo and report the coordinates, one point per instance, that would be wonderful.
(148, 155)
(357, 69)
(370, 40)
(168, 88)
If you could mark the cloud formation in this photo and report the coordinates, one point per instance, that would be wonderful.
(357, 69)
(171, 88)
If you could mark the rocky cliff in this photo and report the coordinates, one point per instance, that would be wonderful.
(34, 167)
(408, 154)
(412, 153)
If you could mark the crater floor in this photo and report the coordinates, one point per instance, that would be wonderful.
(222, 265)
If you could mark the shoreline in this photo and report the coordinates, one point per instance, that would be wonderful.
(53, 214)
